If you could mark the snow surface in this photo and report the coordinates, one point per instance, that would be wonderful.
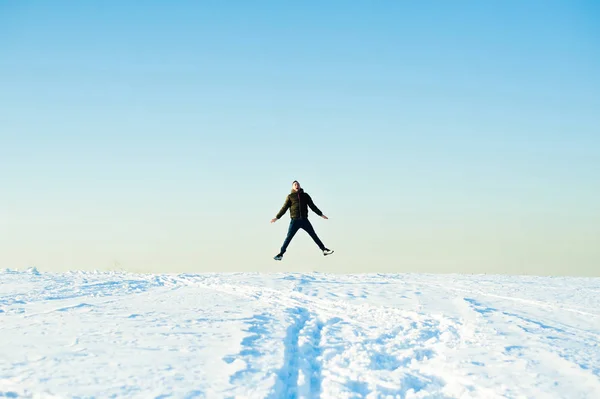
(113, 334)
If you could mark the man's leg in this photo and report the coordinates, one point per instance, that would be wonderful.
(292, 230)
(311, 232)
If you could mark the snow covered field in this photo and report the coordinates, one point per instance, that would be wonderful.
(112, 334)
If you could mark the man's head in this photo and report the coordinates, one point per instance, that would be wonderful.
(295, 185)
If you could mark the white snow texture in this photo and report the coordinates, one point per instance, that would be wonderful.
(115, 334)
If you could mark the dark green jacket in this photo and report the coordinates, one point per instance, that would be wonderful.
(298, 203)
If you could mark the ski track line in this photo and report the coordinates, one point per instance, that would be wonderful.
(300, 375)
(517, 299)
(544, 345)
(563, 329)
(100, 302)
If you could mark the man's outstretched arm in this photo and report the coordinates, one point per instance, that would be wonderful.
(312, 206)
(283, 209)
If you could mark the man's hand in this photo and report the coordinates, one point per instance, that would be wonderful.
(274, 220)
(324, 217)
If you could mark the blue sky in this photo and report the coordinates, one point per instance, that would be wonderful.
(437, 136)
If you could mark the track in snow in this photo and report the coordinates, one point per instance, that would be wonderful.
(300, 336)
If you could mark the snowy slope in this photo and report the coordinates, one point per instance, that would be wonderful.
(109, 334)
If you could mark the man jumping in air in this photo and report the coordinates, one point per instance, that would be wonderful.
(298, 202)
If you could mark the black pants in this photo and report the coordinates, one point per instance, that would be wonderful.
(297, 224)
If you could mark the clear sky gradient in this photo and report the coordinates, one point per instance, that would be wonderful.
(437, 136)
